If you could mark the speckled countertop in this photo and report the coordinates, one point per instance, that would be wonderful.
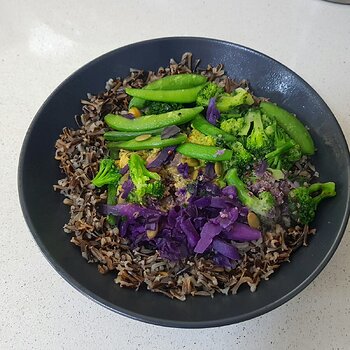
(41, 43)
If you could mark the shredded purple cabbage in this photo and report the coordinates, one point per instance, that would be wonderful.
(127, 187)
(183, 169)
(164, 157)
(213, 113)
(169, 132)
(129, 116)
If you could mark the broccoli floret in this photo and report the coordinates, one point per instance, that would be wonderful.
(240, 96)
(208, 91)
(233, 125)
(261, 205)
(154, 107)
(303, 201)
(241, 158)
(258, 142)
(146, 182)
(286, 152)
(107, 173)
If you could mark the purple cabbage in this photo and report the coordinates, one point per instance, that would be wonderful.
(169, 132)
(226, 249)
(213, 113)
(127, 187)
(164, 157)
(183, 169)
(209, 231)
(242, 232)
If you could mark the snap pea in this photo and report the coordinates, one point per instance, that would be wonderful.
(149, 122)
(177, 96)
(291, 124)
(152, 142)
(202, 125)
(209, 153)
(128, 135)
(170, 82)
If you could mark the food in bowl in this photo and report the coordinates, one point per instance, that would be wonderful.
(183, 182)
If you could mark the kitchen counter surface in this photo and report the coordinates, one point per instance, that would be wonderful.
(41, 43)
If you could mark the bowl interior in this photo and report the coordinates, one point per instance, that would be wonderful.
(46, 215)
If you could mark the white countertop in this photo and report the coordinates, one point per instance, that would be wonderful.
(41, 43)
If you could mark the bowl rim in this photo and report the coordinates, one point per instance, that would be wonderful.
(139, 316)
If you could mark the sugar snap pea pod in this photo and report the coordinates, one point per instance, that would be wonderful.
(177, 96)
(170, 82)
(202, 125)
(150, 143)
(152, 121)
(209, 153)
(128, 135)
(291, 124)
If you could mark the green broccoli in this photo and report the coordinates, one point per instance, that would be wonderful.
(227, 102)
(155, 107)
(258, 141)
(241, 159)
(146, 182)
(261, 205)
(208, 91)
(233, 125)
(107, 173)
(303, 201)
(286, 151)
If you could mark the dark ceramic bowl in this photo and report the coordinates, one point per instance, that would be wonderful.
(45, 214)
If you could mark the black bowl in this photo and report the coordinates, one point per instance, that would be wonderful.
(45, 214)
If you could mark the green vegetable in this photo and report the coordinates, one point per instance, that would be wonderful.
(107, 173)
(208, 91)
(154, 107)
(257, 141)
(303, 201)
(202, 125)
(146, 182)
(111, 200)
(293, 126)
(241, 158)
(150, 122)
(208, 153)
(240, 97)
(128, 135)
(177, 96)
(150, 143)
(261, 205)
(170, 82)
(233, 126)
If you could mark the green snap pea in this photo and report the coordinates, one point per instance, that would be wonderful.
(209, 153)
(202, 125)
(128, 135)
(152, 142)
(176, 96)
(152, 121)
(170, 82)
(291, 124)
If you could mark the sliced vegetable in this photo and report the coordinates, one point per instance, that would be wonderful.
(150, 143)
(150, 122)
(128, 135)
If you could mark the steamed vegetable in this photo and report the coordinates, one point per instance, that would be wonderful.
(150, 122)
(146, 182)
(209, 153)
(292, 126)
(303, 201)
(107, 173)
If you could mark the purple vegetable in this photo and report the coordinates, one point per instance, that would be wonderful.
(230, 192)
(124, 170)
(131, 211)
(213, 113)
(242, 232)
(169, 132)
(209, 171)
(191, 233)
(225, 249)
(209, 231)
(183, 169)
(226, 218)
(127, 187)
(218, 202)
(260, 168)
(164, 157)
(129, 116)
(221, 260)
(202, 202)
